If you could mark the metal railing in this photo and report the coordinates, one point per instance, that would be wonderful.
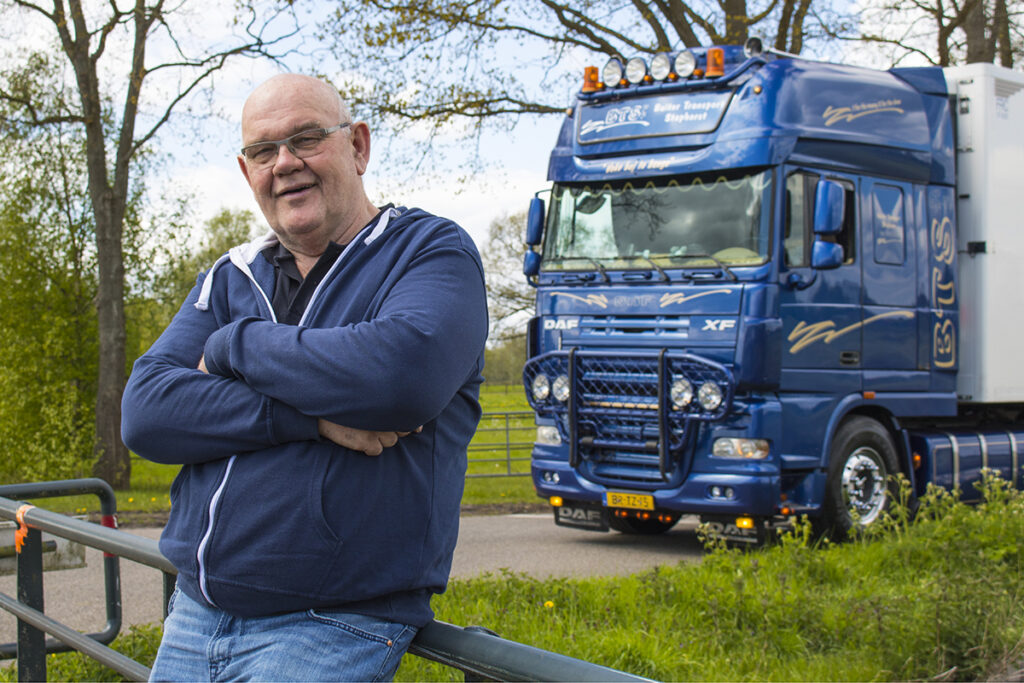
(478, 653)
(509, 436)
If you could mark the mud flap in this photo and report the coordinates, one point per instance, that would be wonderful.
(726, 529)
(579, 516)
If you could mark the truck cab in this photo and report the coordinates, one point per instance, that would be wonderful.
(747, 300)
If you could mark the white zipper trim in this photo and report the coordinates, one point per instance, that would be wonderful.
(379, 228)
(212, 512)
(238, 260)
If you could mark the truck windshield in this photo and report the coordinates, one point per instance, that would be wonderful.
(704, 221)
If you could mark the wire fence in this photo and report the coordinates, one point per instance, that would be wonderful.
(502, 444)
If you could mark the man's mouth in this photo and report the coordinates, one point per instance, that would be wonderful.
(295, 190)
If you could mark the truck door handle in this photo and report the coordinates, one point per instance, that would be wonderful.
(849, 358)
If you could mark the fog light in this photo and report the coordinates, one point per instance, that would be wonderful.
(745, 522)
(547, 435)
(709, 396)
(541, 388)
(750, 449)
(722, 492)
(550, 477)
(681, 393)
(560, 389)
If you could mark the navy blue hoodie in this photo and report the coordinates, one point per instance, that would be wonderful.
(266, 517)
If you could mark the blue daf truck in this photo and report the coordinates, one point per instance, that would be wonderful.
(767, 284)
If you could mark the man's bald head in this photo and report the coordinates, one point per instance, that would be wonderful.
(286, 86)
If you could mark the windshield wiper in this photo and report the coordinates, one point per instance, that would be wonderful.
(725, 268)
(600, 268)
(664, 275)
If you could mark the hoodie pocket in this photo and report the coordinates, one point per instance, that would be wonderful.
(270, 532)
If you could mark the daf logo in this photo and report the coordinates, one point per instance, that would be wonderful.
(561, 323)
(579, 515)
(718, 325)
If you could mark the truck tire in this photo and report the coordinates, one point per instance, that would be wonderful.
(860, 485)
(640, 527)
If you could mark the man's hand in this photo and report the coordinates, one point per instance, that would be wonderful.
(370, 443)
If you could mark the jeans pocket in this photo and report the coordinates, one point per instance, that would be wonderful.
(368, 645)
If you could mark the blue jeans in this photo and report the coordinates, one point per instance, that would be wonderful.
(202, 643)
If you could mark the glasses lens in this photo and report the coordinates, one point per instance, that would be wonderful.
(306, 141)
(261, 154)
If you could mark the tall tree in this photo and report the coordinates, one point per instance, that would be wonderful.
(488, 61)
(119, 99)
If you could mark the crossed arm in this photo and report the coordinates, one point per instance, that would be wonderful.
(268, 384)
(369, 442)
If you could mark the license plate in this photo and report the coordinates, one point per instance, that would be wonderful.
(632, 501)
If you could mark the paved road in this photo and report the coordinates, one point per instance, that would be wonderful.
(528, 543)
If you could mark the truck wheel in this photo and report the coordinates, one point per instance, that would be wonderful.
(860, 487)
(638, 527)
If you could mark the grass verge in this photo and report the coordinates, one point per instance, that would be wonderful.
(941, 598)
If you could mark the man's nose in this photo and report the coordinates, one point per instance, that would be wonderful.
(286, 161)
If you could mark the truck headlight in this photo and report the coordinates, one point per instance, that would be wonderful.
(547, 435)
(681, 393)
(709, 396)
(541, 388)
(560, 389)
(751, 449)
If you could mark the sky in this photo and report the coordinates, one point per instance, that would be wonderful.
(514, 162)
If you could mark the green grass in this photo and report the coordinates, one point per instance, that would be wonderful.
(151, 483)
(938, 599)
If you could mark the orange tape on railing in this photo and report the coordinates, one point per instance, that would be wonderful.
(22, 532)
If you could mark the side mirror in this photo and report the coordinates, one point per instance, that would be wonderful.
(535, 222)
(826, 255)
(531, 263)
(829, 206)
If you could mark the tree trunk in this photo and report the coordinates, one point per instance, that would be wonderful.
(975, 27)
(735, 21)
(113, 463)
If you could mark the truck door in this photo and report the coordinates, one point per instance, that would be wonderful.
(889, 269)
(820, 309)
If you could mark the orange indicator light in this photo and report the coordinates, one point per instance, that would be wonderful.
(591, 79)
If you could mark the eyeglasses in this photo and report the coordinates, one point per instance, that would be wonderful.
(303, 144)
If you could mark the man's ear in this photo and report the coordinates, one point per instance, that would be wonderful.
(245, 169)
(361, 145)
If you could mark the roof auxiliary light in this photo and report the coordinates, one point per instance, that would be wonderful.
(611, 74)
(661, 66)
(716, 62)
(636, 69)
(685, 64)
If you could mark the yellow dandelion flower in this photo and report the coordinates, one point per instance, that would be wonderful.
(549, 604)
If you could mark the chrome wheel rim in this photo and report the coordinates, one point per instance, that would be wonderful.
(864, 485)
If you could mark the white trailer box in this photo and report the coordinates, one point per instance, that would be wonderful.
(989, 110)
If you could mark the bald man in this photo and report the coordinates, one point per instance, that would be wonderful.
(319, 388)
